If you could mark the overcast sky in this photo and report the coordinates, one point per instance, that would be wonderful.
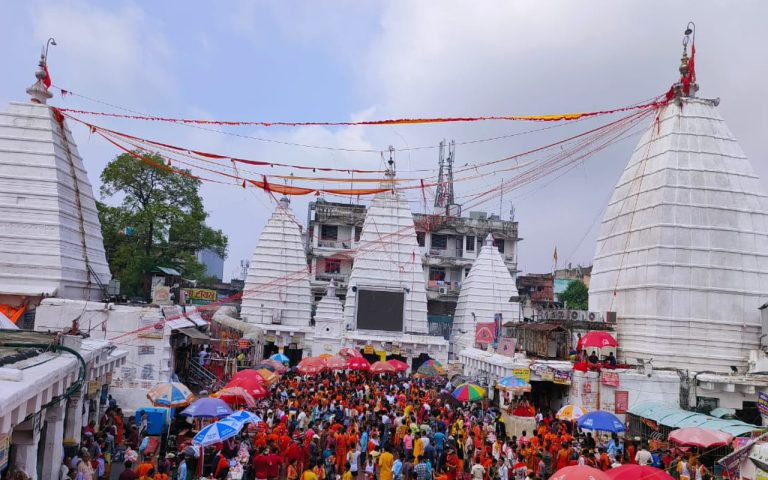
(341, 60)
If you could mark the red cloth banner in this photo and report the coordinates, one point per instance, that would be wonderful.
(610, 379)
(484, 333)
(621, 401)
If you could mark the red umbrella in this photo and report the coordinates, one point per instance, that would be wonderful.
(349, 352)
(579, 472)
(598, 339)
(382, 367)
(336, 362)
(358, 363)
(399, 365)
(637, 472)
(700, 437)
(311, 365)
(235, 396)
(254, 388)
(248, 374)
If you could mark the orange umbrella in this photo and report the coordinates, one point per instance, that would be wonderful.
(236, 396)
(336, 362)
(311, 365)
(269, 376)
(382, 367)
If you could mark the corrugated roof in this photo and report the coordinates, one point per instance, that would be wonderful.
(675, 417)
(169, 271)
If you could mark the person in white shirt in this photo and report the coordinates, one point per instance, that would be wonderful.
(643, 456)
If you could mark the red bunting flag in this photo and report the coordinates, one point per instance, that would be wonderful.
(47, 79)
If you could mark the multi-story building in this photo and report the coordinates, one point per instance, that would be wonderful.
(449, 246)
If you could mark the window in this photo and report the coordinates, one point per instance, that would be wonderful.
(332, 266)
(499, 244)
(439, 242)
(437, 274)
(466, 272)
(358, 231)
(329, 232)
(470, 243)
(420, 238)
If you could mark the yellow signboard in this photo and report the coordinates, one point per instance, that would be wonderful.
(202, 294)
(368, 350)
(522, 373)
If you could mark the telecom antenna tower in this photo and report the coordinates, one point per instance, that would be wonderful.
(444, 194)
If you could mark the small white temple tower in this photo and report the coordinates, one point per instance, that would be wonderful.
(50, 236)
(486, 291)
(277, 294)
(329, 323)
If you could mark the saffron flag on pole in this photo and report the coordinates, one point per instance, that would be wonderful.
(47, 79)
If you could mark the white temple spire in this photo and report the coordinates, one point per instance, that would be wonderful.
(38, 92)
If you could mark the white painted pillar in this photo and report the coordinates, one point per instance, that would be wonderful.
(73, 423)
(86, 409)
(25, 439)
(53, 441)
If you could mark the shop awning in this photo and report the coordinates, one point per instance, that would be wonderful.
(195, 335)
(693, 421)
(674, 419)
(739, 430)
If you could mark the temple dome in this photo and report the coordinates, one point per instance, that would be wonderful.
(682, 254)
(277, 284)
(484, 293)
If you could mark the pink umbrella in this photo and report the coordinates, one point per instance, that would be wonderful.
(700, 437)
(358, 363)
(311, 366)
(399, 365)
(382, 367)
(278, 366)
(349, 352)
(637, 472)
(336, 362)
(250, 385)
(579, 472)
(598, 340)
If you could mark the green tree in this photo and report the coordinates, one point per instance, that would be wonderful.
(160, 222)
(575, 296)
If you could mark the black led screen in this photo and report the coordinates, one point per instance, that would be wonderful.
(380, 310)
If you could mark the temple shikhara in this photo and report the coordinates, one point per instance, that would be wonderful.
(384, 310)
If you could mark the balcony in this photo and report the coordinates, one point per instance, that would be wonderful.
(335, 244)
(446, 252)
(327, 277)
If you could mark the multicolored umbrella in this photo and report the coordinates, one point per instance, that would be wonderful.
(336, 362)
(276, 366)
(207, 407)
(217, 432)
(468, 392)
(571, 412)
(637, 472)
(382, 367)
(280, 357)
(236, 396)
(579, 472)
(514, 384)
(601, 421)
(255, 388)
(170, 395)
(431, 368)
(700, 437)
(399, 365)
(311, 365)
(358, 363)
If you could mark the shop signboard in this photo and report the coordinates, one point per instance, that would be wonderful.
(368, 350)
(609, 378)
(161, 295)
(547, 375)
(5, 444)
(201, 296)
(621, 401)
(243, 343)
(762, 403)
(522, 373)
(562, 377)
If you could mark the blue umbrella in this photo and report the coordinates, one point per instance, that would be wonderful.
(217, 432)
(280, 357)
(244, 416)
(601, 421)
(208, 407)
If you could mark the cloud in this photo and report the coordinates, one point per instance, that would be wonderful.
(114, 53)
